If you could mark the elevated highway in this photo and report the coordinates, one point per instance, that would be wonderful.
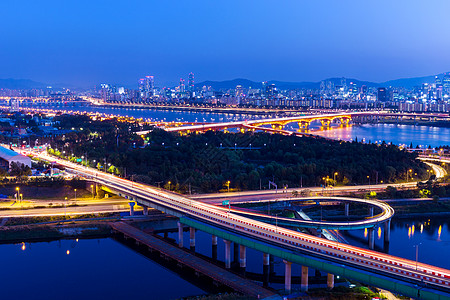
(277, 124)
(371, 267)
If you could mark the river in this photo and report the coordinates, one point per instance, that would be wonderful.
(398, 134)
(107, 269)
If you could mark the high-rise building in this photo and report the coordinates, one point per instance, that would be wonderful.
(191, 82)
(264, 87)
(182, 87)
(146, 87)
(382, 94)
(446, 84)
(150, 85)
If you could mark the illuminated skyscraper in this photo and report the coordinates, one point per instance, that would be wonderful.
(146, 87)
(191, 82)
(142, 88)
(446, 84)
(182, 86)
(382, 94)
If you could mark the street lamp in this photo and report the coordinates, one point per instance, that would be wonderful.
(334, 177)
(169, 184)
(417, 253)
(276, 222)
(407, 173)
(368, 178)
(75, 190)
(228, 186)
(65, 207)
(17, 194)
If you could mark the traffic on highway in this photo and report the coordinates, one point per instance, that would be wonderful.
(376, 262)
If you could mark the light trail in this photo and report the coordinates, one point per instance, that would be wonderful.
(377, 262)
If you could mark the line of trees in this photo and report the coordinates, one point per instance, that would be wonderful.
(205, 162)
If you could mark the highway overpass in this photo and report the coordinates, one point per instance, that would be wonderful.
(367, 266)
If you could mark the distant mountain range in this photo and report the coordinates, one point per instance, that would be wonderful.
(231, 84)
(20, 84)
(245, 83)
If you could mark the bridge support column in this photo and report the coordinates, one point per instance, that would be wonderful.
(346, 209)
(235, 253)
(330, 281)
(145, 210)
(227, 254)
(180, 235)
(266, 274)
(242, 258)
(304, 284)
(192, 238)
(132, 204)
(387, 231)
(287, 276)
(214, 247)
(271, 265)
(371, 238)
(371, 211)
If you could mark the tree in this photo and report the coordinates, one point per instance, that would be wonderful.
(19, 170)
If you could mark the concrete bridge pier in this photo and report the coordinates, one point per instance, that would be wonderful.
(131, 204)
(145, 210)
(242, 258)
(304, 283)
(214, 247)
(287, 276)
(266, 274)
(192, 238)
(235, 253)
(271, 265)
(347, 209)
(330, 281)
(180, 235)
(371, 238)
(227, 254)
(387, 231)
(371, 211)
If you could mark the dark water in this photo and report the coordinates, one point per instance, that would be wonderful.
(397, 134)
(94, 269)
(423, 136)
(104, 268)
(431, 234)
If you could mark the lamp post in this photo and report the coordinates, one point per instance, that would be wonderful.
(407, 173)
(75, 190)
(17, 194)
(417, 253)
(368, 178)
(169, 184)
(334, 177)
(228, 186)
(65, 207)
(276, 222)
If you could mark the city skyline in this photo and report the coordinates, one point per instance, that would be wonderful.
(87, 43)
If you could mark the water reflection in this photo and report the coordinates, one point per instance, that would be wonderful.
(88, 269)
(432, 233)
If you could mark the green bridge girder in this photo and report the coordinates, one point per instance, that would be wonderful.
(390, 284)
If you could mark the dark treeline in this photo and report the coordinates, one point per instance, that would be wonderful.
(205, 162)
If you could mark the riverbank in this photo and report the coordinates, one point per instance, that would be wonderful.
(49, 232)
(202, 109)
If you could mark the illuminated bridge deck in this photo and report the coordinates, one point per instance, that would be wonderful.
(218, 274)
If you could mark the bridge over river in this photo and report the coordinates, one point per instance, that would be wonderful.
(396, 274)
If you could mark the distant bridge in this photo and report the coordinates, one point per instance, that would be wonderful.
(277, 124)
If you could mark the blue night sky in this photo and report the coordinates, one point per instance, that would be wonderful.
(85, 42)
